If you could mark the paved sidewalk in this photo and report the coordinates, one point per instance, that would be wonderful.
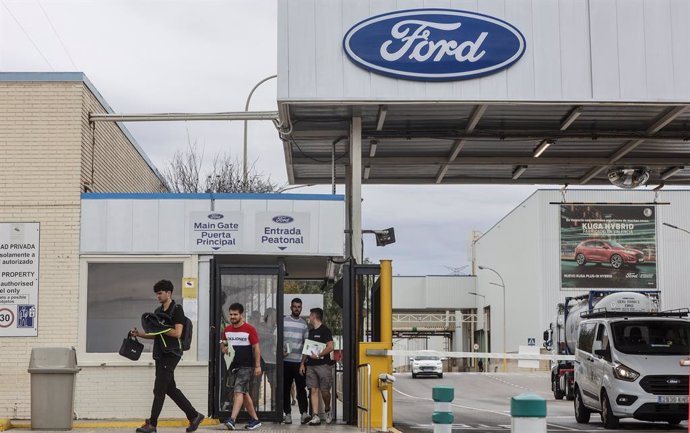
(209, 426)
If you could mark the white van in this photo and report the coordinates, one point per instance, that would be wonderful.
(630, 365)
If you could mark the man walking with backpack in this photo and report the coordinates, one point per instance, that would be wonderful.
(167, 352)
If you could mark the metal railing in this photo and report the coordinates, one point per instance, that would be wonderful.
(364, 391)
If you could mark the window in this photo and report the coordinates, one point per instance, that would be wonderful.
(652, 337)
(603, 337)
(586, 338)
(118, 294)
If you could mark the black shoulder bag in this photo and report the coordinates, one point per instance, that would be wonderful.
(131, 348)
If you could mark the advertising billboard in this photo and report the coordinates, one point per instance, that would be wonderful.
(608, 246)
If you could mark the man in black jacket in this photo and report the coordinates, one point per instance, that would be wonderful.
(167, 351)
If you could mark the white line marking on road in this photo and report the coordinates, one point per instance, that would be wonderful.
(481, 410)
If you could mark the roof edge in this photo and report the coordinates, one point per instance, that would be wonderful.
(208, 196)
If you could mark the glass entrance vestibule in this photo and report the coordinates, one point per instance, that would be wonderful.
(259, 289)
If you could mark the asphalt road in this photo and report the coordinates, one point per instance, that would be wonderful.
(482, 404)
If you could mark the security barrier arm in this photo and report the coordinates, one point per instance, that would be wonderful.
(476, 355)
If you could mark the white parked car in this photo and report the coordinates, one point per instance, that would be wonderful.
(427, 365)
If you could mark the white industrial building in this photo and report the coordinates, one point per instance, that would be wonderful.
(524, 250)
(435, 312)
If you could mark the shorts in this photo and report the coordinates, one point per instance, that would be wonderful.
(320, 376)
(239, 379)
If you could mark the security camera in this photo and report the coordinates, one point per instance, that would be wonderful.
(386, 378)
(628, 177)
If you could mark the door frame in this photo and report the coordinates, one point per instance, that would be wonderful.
(220, 267)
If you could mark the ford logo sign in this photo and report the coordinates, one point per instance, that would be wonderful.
(283, 219)
(434, 44)
(215, 216)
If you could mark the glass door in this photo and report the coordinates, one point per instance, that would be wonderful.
(260, 291)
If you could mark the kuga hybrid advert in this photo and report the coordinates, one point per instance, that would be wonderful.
(608, 246)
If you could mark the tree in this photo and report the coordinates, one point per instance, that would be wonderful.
(185, 173)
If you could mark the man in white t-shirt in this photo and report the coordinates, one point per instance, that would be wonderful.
(295, 331)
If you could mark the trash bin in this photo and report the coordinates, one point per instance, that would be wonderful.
(53, 371)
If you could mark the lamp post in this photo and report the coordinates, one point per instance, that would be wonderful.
(246, 108)
(503, 286)
(475, 321)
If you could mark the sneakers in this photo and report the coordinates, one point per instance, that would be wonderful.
(315, 420)
(147, 427)
(194, 424)
(253, 424)
(329, 417)
(288, 418)
(230, 424)
(305, 418)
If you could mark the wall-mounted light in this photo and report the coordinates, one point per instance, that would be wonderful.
(383, 237)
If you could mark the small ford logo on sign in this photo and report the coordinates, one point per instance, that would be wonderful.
(434, 44)
(215, 216)
(283, 219)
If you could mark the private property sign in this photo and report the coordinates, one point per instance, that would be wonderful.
(19, 260)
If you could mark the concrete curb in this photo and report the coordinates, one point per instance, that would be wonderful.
(98, 424)
(394, 430)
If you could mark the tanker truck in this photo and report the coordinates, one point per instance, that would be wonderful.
(561, 337)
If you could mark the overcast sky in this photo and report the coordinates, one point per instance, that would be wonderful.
(205, 56)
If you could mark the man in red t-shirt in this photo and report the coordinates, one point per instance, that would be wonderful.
(247, 361)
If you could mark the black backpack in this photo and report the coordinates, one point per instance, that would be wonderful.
(187, 331)
(185, 339)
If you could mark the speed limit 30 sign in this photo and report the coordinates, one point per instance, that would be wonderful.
(6, 317)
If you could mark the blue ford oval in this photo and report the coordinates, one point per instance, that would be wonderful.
(283, 219)
(434, 44)
(215, 216)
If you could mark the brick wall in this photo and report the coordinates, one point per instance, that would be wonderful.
(116, 165)
(44, 157)
(127, 392)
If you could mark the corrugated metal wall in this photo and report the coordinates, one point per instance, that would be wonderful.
(434, 292)
(512, 249)
(577, 50)
(525, 248)
(161, 225)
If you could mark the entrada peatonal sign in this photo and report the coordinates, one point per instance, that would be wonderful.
(434, 44)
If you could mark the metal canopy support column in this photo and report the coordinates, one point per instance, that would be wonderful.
(354, 193)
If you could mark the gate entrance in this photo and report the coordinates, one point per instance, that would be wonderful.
(260, 290)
